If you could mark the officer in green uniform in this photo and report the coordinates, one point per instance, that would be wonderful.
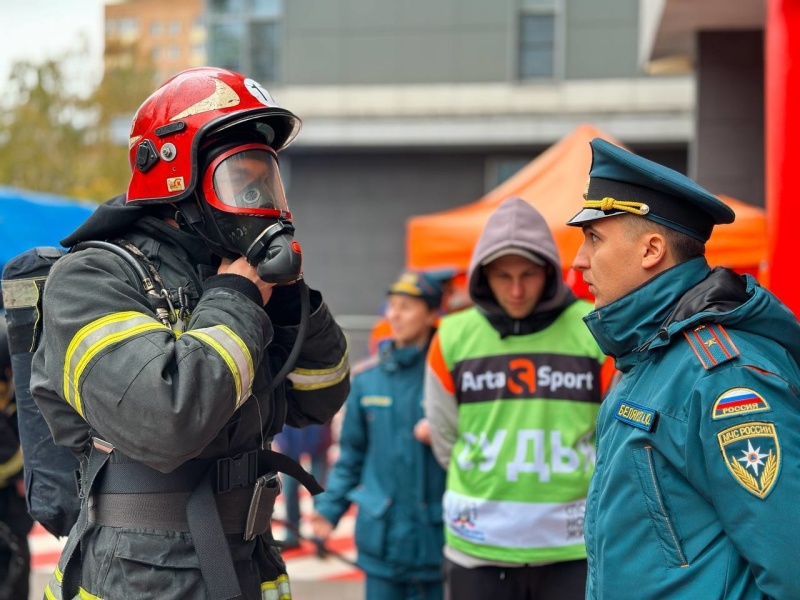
(695, 488)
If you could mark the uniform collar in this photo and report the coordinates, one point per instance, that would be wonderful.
(631, 323)
(181, 242)
(394, 358)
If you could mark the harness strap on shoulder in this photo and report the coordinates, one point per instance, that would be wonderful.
(711, 344)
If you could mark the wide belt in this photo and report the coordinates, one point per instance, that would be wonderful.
(167, 512)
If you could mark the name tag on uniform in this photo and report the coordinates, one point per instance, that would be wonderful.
(638, 416)
(382, 401)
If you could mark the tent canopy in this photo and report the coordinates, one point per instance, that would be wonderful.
(554, 183)
(29, 219)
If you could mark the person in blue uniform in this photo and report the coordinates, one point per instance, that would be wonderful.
(695, 489)
(385, 464)
(311, 443)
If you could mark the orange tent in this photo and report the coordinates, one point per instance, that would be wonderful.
(554, 183)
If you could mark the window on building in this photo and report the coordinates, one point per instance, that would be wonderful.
(129, 26)
(174, 27)
(174, 52)
(244, 35)
(155, 53)
(500, 168)
(156, 28)
(225, 45)
(264, 51)
(226, 7)
(537, 45)
(267, 8)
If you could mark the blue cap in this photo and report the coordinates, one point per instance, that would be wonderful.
(419, 285)
(622, 182)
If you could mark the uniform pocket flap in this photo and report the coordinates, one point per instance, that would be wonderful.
(172, 550)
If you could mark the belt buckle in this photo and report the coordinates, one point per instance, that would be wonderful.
(255, 501)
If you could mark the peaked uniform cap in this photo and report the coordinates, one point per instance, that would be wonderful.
(419, 285)
(622, 182)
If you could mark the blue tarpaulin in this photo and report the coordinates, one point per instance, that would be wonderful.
(29, 219)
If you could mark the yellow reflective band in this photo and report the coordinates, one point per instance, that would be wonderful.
(12, 466)
(53, 589)
(97, 336)
(636, 208)
(234, 352)
(276, 590)
(94, 337)
(84, 595)
(315, 379)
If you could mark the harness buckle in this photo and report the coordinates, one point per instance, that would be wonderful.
(239, 471)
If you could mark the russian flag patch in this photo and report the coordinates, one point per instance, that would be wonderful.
(738, 401)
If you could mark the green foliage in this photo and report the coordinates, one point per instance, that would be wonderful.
(56, 129)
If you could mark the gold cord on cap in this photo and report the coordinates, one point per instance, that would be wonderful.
(636, 208)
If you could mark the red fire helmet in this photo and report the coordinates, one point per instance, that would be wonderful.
(169, 127)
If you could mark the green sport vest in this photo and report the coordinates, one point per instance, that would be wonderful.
(527, 407)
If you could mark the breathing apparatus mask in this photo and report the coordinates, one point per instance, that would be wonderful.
(243, 210)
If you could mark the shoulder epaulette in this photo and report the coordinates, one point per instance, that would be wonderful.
(711, 344)
(365, 364)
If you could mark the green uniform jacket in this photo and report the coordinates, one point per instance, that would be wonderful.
(163, 397)
(697, 480)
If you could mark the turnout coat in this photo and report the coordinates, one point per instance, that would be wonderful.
(110, 375)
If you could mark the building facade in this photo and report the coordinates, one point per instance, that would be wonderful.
(416, 106)
(169, 36)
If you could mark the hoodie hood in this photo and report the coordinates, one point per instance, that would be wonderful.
(517, 224)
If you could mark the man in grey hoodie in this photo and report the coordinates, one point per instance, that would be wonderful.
(512, 390)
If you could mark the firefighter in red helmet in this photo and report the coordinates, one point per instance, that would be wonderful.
(172, 397)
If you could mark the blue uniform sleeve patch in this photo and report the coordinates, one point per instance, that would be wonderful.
(638, 416)
(711, 344)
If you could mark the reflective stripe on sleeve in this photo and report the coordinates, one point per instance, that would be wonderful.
(96, 337)
(315, 379)
(276, 590)
(234, 352)
(53, 589)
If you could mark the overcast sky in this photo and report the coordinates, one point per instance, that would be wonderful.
(41, 29)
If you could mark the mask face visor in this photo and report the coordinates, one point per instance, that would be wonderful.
(245, 180)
